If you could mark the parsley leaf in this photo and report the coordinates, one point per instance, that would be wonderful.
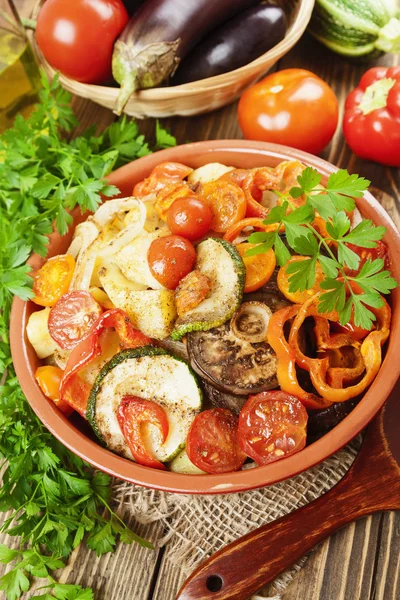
(365, 234)
(54, 498)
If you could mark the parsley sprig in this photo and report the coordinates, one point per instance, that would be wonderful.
(54, 498)
(331, 203)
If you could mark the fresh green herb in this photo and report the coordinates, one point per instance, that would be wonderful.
(56, 500)
(331, 203)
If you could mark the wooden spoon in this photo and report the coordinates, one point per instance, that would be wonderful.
(371, 484)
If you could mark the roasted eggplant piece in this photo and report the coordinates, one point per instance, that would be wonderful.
(238, 364)
(322, 421)
(159, 34)
(220, 399)
(236, 43)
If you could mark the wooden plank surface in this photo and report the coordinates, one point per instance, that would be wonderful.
(360, 562)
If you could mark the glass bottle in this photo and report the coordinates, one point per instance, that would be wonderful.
(19, 73)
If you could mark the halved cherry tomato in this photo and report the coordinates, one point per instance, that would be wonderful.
(49, 379)
(299, 297)
(163, 174)
(133, 413)
(272, 425)
(52, 280)
(189, 217)
(71, 319)
(236, 176)
(226, 201)
(212, 443)
(292, 107)
(380, 251)
(170, 258)
(74, 390)
(168, 194)
(259, 268)
(192, 290)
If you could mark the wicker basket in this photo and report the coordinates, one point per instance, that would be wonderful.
(198, 96)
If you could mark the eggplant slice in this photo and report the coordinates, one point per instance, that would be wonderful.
(220, 399)
(234, 365)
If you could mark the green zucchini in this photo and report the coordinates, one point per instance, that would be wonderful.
(363, 28)
(151, 373)
(222, 263)
(183, 464)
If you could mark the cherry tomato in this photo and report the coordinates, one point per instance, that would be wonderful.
(170, 258)
(259, 268)
(292, 107)
(77, 38)
(272, 425)
(168, 194)
(299, 297)
(380, 251)
(163, 174)
(226, 201)
(52, 280)
(212, 443)
(189, 217)
(71, 319)
(133, 413)
(49, 379)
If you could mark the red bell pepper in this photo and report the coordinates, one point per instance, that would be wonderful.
(73, 389)
(371, 123)
(132, 413)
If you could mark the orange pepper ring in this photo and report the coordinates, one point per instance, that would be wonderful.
(286, 357)
(318, 367)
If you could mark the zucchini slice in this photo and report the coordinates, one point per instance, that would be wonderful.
(221, 262)
(183, 464)
(153, 374)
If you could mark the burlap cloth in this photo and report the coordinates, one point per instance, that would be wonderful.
(197, 526)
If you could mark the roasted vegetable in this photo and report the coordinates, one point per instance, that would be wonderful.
(221, 399)
(238, 364)
(221, 263)
(365, 28)
(152, 373)
(237, 42)
(231, 363)
(159, 34)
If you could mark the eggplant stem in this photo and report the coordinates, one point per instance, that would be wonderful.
(145, 69)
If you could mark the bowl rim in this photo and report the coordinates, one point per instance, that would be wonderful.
(311, 455)
(293, 34)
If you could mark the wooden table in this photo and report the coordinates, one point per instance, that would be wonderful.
(360, 562)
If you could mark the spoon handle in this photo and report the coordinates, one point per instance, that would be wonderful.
(246, 565)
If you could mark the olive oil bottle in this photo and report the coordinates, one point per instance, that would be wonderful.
(19, 77)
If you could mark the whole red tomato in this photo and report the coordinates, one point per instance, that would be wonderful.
(371, 122)
(292, 107)
(77, 36)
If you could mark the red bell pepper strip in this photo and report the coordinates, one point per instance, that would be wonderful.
(72, 388)
(133, 412)
(371, 123)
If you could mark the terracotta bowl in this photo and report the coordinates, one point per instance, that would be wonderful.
(243, 154)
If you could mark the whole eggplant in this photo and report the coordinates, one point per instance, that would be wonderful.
(234, 44)
(159, 34)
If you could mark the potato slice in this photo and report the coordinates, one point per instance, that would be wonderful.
(209, 172)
